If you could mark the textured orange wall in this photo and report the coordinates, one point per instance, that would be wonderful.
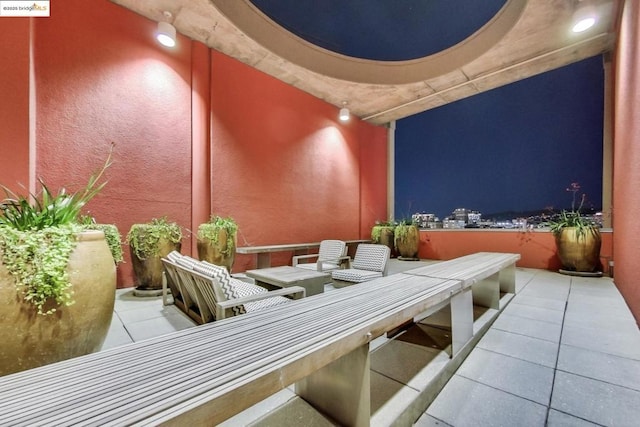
(626, 196)
(100, 77)
(14, 103)
(283, 165)
(537, 249)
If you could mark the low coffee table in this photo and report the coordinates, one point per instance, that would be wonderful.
(285, 276)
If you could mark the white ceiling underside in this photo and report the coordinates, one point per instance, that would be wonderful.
(526, 38)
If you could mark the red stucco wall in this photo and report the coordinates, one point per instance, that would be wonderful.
(283, 165)
(100, 77)
(195, 133)
(536, 248)
(14, 103)
(626, 196)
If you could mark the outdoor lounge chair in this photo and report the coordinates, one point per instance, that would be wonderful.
(218, 295)
(331, 256)
(369, 263)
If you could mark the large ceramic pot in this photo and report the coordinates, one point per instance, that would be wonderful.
(30, 340)
(217, 251)
(148, 271)
(407, 241)
(579, 251)
(383, 234)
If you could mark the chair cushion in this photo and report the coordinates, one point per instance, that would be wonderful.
(355, 275)
(174, 256)
(371, 257)
(268, 302)
(187, 262)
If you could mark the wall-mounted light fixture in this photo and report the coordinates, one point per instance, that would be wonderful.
(584, 17)
(344, 113)
(166, 33)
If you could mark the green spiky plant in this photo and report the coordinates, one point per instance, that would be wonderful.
(37, 235)
(573, 218)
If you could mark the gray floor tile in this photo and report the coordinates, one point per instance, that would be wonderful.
(559, 419)
(158, 326)
(117, 335)
(525, 379)
(619, 343)
(528, 327)
(464, 402)
(526, 348)
(600, 366)
(547, 303)
(595, 401)
(611, 304)
(592, 316)
(407, 363)
(146, 312)
(536, 313)
(427, 420)
(547, 289)
(388, 399)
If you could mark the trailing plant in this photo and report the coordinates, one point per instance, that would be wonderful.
(37, 236)
(210, 230)
(145, 239)
(376, 230)
(111, 234)
(573, 218)
(38, 262)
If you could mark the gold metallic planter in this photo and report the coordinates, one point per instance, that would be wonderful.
(579, 252)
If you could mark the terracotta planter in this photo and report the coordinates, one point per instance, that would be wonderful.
(218, 253)
(386, 237)
(579, 253)
(407, 241)
(30, 340)
(148, 271)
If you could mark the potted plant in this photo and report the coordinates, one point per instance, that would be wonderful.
(407, 240)
(57, 279)
(382, 233)
(217, 241)
(577, 237)
(111, 234)
(148, 243)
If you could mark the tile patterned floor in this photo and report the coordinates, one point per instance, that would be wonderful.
(564, 352)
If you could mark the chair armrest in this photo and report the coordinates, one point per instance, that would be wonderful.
(223, 306)
(339, 261)
(297, 258)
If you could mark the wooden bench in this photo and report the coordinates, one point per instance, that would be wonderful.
(489, 273)
(263, 253)
(206, 374)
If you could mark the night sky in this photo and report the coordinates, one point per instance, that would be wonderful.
(514, 148)
(383, 30)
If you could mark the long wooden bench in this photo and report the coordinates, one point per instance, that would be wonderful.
(206, 374)
(263, 253)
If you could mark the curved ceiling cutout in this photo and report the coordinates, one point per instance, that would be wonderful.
(261, 28)
(382, 30)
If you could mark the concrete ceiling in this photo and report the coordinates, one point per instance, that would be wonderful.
(525, 38)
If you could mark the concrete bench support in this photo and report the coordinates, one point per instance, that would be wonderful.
(341, 389)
